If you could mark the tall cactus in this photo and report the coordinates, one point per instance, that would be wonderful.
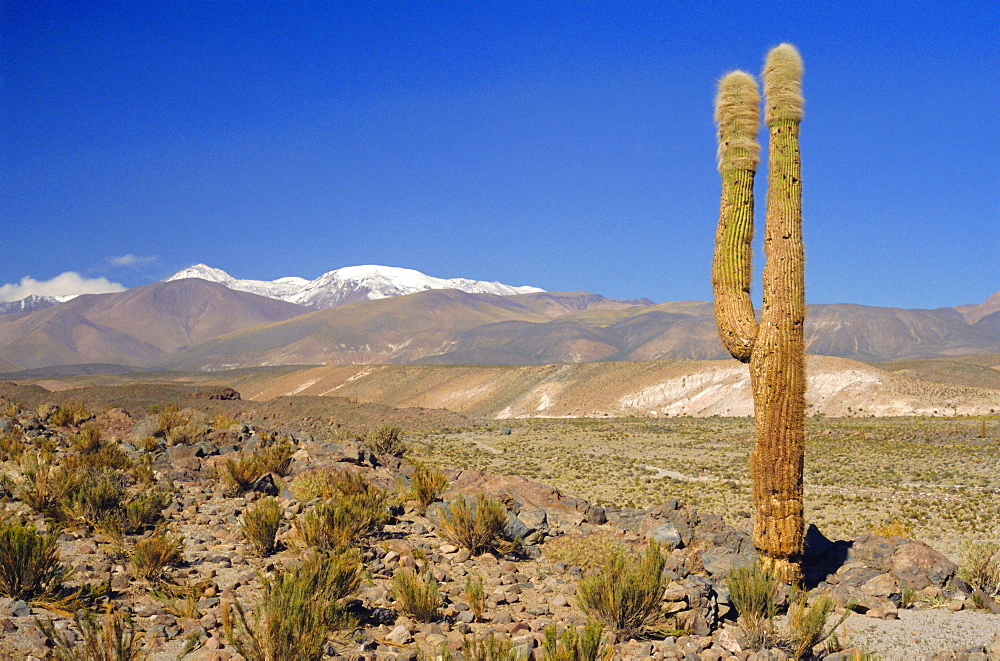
(774, 347)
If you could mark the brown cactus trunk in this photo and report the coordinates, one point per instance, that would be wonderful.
(777, 365)
(775, 348)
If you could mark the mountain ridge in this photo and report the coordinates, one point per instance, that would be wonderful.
(199, 324)
(348, 284)
(137, 327)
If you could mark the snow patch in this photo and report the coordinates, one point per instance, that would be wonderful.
(335, 287)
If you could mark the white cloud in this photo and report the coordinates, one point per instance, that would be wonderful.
(66, 284)
(129, 260)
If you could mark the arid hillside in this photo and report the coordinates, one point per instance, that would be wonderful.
(136, 327)
(836, 387)
(193, 324)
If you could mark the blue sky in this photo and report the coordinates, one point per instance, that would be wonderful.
(566, 145)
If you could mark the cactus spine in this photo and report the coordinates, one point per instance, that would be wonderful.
(775, 347)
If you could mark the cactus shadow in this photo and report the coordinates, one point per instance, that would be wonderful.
(822, 557)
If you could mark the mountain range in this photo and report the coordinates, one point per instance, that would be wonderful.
(348, 285)
(372, 315)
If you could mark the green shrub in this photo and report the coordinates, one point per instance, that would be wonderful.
(573, 644)
(753, 591)
(478, 526)
(112, 638)
(387, 439)
(29, 562)
(418, 597)
(426, 485)
(298, 609)
(151, 557)
(979, 566)
(625, 595)
(260, 525)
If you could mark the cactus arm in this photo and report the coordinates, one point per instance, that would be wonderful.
(738, 120)
(777, 366)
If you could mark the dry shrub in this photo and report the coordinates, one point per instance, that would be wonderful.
(328, 483)
(753, 591)
(29, 562)
(807, 623)
(148, 443)
(979, 566)
(585, 551)
(179, 600)
(188, 433)
(167, 417)
(44, 484)
(68, 413)
(343, 521)
(426, 485)
(151, 557)
(894, 528)
(276, 458)
(112, 638)
(490, 647)
(86, 440)
(625, 595)
(142, 471)
(574, 644)
(476, 596)
(477, 526)
(260, 525)
(223, 421)
(239, 473)
(386, 439)
(12, 445)
(298, 609)
(417, 596)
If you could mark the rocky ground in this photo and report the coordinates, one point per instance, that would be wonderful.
(908, 601)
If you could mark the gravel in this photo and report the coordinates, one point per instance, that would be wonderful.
(919, 634)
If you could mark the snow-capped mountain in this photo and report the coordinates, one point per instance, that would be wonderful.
(349, 284)
(282, 288)
(31, 303)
